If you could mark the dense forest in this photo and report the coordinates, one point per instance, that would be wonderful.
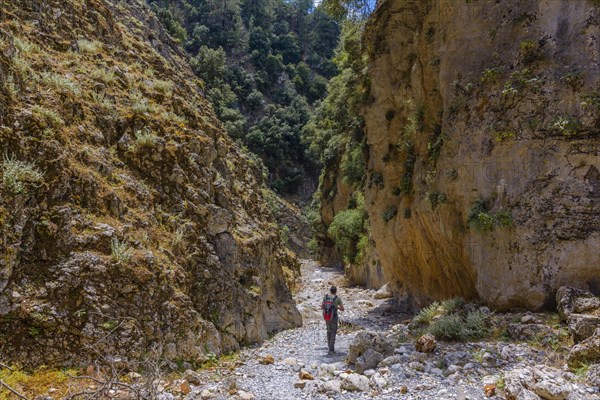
(266, 65)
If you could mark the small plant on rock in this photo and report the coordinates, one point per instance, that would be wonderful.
(574, 79)
(16, 174)
(568, 126)
(120, 251)
(89, 46)
(529, 51)
(143, 140)
(389, 213)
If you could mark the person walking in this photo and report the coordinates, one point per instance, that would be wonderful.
(330, 306)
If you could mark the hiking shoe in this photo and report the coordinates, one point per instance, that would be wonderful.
(330, 352)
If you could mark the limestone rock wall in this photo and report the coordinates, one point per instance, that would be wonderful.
(483, 130)
(130, 223)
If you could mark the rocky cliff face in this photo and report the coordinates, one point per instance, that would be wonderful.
(130, 222)
(483, 131)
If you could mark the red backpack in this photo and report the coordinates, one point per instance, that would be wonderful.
(329, 308)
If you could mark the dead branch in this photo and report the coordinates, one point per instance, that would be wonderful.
(19, 395)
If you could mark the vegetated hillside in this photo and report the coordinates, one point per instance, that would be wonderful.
(265, 64)
(130, 222)
(482, 132)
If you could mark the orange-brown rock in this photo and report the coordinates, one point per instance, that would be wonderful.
(482, 130)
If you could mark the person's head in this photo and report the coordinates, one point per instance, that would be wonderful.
(333, 290)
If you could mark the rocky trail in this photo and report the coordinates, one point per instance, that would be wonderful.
(294, 364)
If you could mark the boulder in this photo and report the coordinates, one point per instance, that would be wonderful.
(300, 384)
(537, 382)
(368, 340)
(378, 381)
(192, 377)
(570, 300)
(368, 360)
(331, 387)
(528, 331)
(426, 343)
(355, 383)
(457, 358)
(303, 374)
(593, 375)
(549, 384)
(185, 387)
(588, 351)
(582, 326)
(267, 359)
(391, 360)
(385, 292)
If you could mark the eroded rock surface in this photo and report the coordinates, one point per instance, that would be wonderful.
(483, 148)
(131, 224)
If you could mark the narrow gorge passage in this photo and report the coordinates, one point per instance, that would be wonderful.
(306, 347)
(299, 367)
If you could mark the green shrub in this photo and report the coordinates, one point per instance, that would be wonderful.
(480, 217)
(434, 147)
(348, 229)
(25, 46)
(455, 327)
(163, 87)
(103, 75)
(436, 309)
(120, 251)
(88, 46)
(529, 51)
(490, 75)
(59, 82)
(568, 126)
(504, 219)
(353, 165)
(144, 139)
(16, 174)
(389, 213)
(49, 117)
(574, 79)
(435, 198)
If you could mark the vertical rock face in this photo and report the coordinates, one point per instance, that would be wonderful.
(131, 224)
(483, 129)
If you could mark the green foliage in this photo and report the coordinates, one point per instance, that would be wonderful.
(481, 218)
(347, 230)
(353, 165)
(120, 251)
(144, 139)
(389, 213)
(110, 325)
(434, 147)
(89, 46)
(437, 309)
(568, 126)
(457, 327)
(435, 198)
(266, 65)
(59, 82)
(529, 51)
(16, 174)
(574, 79)
(490, 75)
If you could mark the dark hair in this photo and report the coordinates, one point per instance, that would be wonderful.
(333, 290)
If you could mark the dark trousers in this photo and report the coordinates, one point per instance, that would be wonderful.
(332, 326)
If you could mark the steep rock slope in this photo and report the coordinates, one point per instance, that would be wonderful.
(130, 222)
(483, 132)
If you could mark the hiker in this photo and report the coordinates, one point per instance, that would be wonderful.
(330, 306)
